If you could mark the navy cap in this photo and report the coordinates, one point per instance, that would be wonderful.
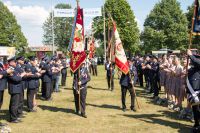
(154, 57)
(32, 58)
(12, 59)
(20, 58)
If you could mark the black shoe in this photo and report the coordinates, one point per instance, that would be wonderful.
(133, 109)
(15, 121)
(83, 115)
(77, 112)
(124, 110)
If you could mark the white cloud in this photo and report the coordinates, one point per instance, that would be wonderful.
(33, 15)
(31, 19)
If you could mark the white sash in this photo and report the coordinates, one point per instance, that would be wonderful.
(194, 94)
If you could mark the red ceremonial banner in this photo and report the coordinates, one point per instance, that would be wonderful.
(120, 56)
(78, 54)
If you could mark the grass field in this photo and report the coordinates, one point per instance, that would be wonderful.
(103, 111)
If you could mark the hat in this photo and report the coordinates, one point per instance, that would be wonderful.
(20, 58)
(32, 58)
(154, 57)
(54, 57)
(12, 59)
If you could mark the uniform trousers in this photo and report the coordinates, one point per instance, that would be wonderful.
(1, 98)
(110, 82)
(63, 79)
(14, 106)
(83, 94)
(48, 90)
(30, 98)
(123, 96)
(21, 103)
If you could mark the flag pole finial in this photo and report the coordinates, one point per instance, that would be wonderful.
(77, 1)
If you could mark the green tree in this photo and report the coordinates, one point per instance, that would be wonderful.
(62, 29)
(189, 15)
(165, 26)
(10, 31)
(122, 14)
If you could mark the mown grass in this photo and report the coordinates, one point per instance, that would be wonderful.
(103, 110)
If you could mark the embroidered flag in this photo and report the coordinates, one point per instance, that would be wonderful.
(78, 54)
(196, 29)
(120, 56)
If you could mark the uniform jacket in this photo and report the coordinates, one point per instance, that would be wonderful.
(32, 81)
(3, 80)
(84, 78)
(47, 77)
(125, 80)
(15, 82)
(194, 73)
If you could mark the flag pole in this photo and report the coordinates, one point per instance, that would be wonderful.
(129, 76)
(79, 94)
(191, 33)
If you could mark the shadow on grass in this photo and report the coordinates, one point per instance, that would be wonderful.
(4, 115)
(67, 88)
(103, 89)
(106, 106)
(152, 119)
(56, 109)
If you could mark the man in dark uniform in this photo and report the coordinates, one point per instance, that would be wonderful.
(32, 83)
(139, 64)
(110, 71)
(15, 90)
(42, 67)
(3, 81)
(147, 72)
(126, 84)
(194, 81)
(155, 76)
(21, 68)
(47, 80)
(84, 79)
(64, 72)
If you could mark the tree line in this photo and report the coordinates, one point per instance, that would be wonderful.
(166, 26)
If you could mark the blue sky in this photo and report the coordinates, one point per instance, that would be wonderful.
(32, 13)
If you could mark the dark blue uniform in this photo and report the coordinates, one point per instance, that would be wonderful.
(64, 73)
(125, 83)
(3, 83)
(84, 78)
(15, 89)
(194, 79)
(140, 72)
(21, 69)
(32, 85)
(155, 78)
(110, 75)
(42, 67)
(47, 81)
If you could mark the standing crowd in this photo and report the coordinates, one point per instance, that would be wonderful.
(18, 74)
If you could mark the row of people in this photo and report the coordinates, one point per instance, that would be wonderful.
(20, 76)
